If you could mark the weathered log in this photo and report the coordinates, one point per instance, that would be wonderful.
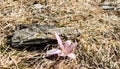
(36, 34)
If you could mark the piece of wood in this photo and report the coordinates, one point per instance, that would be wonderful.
(36, 34)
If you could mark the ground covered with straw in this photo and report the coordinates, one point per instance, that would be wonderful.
(98, 44)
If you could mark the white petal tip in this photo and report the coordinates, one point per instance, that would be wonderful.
(71, 55)
(53, 51)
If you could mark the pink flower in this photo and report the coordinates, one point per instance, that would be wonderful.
(65, 49)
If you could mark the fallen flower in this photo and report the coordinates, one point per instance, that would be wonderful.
(65, 49)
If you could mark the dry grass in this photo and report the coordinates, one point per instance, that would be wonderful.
(99, 43)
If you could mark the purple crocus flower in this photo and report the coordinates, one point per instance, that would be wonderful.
(65, 49)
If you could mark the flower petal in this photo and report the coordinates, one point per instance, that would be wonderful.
(71, 55)
(59, 41)
(54, 51)
(73, 46)
(67, 44)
